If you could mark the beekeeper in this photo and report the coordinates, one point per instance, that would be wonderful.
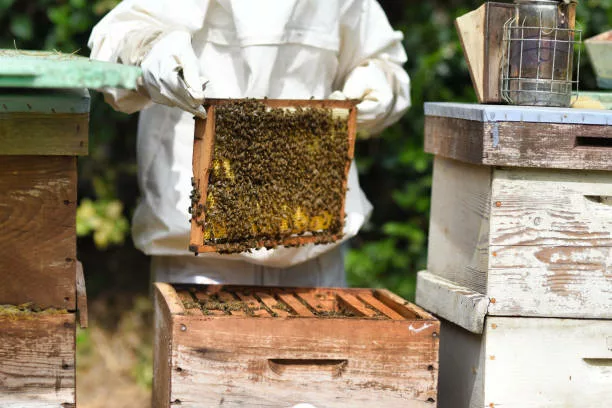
(290, 49)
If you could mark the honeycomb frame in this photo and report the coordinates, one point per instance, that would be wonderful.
(203, 152)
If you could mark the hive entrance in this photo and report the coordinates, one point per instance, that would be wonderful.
(270, 173)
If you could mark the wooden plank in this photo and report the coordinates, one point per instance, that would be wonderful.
(400, 305)
(190, 305)
(454, 138)
(37, 360)
(325, 362)
(295, 241)
(497, 15)
(560, 146)
(369, 298)
(551, 281)
(459, 223)
(44, 101)
(353, 304)
(283, 103)
(202, 158)
(454, 303)
(162, 343)
(471, 28)
(272, 304)
(462, 358)
(543, 207)
(54, 134)
(319, 299)
(520, 144)
(254, 305)
(205, 298)
(37, 220)
(295, 304)
(547, 362)
(230, 299)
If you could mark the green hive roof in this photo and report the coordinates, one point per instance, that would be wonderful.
(51, 69)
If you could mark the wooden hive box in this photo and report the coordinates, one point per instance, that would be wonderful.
(519, 255)
(41, 135)
(37, 358)
(522, 199)
(272, 347)
(270, 172)
(44, 123)
(523, 362)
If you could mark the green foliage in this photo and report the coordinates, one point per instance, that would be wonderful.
(104, 219)
(395, 172)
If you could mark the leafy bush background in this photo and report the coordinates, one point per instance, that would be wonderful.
(395, 173)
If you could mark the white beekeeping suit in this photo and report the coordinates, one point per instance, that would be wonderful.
(293, 49)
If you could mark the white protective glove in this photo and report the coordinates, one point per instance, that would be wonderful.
(368, 84)
(171, 74)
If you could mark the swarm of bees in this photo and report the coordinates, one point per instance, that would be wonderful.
(274, 173)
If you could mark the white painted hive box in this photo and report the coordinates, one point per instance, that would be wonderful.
(522, 362)
(517, 227)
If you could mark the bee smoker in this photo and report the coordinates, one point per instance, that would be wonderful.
(539, 43)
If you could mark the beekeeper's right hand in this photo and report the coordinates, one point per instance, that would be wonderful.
(171, 74)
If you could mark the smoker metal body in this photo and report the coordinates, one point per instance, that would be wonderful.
(539, 42)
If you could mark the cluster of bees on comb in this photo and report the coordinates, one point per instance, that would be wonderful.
(275, 173)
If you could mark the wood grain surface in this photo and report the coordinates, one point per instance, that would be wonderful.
(520, 144)
(547, 363)
(540, 207)
(327, 363)
(49, 134)
(242, 360)
(37, 361)
(38, 239)
(459, 223)
(452, 302)
(497, 15)
(537, 242)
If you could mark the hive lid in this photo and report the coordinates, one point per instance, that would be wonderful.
(509, 113)
(51, 69)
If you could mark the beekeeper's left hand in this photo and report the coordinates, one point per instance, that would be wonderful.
(171, 74)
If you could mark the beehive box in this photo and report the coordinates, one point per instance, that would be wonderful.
(273, 347)
(270, 172)
(37, 357)
(523, 362)
(42, 131)
(522, 199)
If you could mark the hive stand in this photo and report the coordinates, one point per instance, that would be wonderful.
(520, 255)
(42, 132)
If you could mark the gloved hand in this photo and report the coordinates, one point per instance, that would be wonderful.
(171, 74)
(369, 84)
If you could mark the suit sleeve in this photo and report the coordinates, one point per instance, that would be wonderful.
(129, 31)
(370, 66)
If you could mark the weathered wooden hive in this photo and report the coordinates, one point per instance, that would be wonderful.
(42, 132)
(276, 347)
(520, 254)
(270, 172)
